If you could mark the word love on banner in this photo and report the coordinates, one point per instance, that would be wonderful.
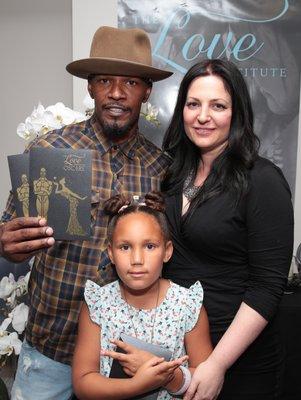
(241, 48)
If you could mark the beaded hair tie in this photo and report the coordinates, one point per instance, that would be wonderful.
(135, 200)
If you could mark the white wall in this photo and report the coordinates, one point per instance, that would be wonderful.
(96, 13)
(35, 46)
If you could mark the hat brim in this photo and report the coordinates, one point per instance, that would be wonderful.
(111, 66)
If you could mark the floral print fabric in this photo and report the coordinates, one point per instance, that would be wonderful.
(176, 315)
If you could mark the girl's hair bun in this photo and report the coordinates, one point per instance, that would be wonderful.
(114, 204)
(152, 204)
(155, 200)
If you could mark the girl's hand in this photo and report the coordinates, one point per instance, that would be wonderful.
(155, 373)
(131, 360)
(207, 382)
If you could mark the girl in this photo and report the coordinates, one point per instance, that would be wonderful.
(143, 305)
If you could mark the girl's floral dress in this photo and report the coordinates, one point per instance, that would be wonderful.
(176, 315)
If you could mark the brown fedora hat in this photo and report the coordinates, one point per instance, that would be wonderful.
(124, 52)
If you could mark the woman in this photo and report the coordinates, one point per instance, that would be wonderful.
(232, 224)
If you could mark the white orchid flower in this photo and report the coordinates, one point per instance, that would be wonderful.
(5, 344)
(33, 124)
(5, 324)
(21, 131)
(150, 113)
(150, 110)
(10, 290)
(65, 115)
(15, 342)
(43, 120)
(19, 317)
(22, 284)
(9, 343)
(37, 119)
(143, 109)
(37, 114)
(26, 278)
(26, 131)
(52, 121)
(88, 102)
(7, 286)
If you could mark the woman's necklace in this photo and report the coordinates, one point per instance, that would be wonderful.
(153, 321)
(189, 189)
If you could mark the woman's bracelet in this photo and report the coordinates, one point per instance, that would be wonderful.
(185, 383)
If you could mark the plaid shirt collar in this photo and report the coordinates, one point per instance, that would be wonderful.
(104, 144)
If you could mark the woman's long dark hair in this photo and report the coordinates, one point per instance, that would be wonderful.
(230, 169)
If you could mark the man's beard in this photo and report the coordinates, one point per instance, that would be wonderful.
(114, 131)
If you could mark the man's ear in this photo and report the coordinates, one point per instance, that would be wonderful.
(90, 90)
(168, 251)
(147, 94)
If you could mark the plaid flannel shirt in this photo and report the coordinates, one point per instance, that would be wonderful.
(59, 274)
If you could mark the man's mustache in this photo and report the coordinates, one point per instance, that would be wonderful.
(116, 105)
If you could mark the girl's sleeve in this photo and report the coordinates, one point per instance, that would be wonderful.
(93, 300)
(194, 303)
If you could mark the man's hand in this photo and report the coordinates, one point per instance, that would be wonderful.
(22, 238)
(133, 358)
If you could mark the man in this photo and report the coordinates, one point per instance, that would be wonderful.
(120, 76)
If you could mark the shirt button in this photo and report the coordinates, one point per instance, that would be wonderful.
(115, 147)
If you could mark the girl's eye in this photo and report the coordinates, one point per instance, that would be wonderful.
(124, 247)
(150, 246)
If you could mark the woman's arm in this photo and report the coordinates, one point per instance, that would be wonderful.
(89, 384)
(269, 221)
(208, 377)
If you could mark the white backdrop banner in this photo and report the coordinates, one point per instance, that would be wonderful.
(262, 38)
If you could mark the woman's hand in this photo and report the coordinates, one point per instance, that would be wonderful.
(131, 360)
(156, 373)
(207, 381)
